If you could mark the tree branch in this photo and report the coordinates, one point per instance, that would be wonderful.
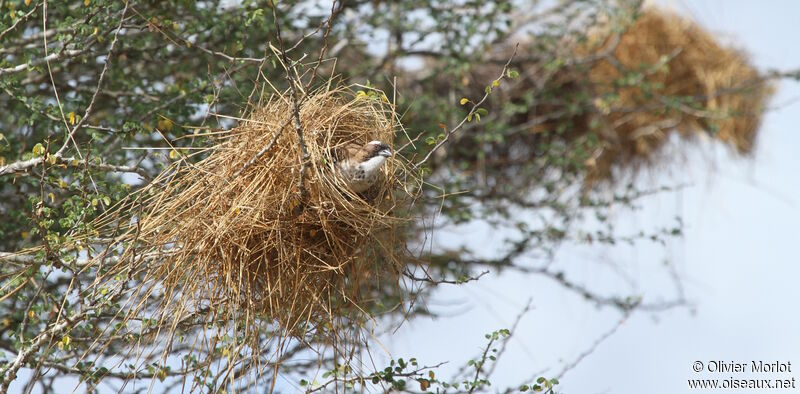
(25, 165)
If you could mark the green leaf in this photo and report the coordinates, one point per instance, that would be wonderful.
(38, 150)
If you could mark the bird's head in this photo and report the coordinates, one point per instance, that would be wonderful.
(379, 148)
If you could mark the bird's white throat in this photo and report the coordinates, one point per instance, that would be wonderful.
(373, 165)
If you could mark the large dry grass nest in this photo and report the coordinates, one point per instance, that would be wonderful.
(237, 231)
(630, 85)
(689, 84)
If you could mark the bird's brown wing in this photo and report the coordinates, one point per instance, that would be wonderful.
(354, 153)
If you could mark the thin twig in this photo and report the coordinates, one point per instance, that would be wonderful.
(592, 348)
(512, 331)
(52, 80)
(471, 112)
(291, 78)
(334, 12)
(100, 80)
(25, 353)
(263, 150)
(428, 279)
(20, 20)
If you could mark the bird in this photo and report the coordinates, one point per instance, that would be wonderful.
(359, 166)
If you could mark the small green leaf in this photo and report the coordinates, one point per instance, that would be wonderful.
(38, 150)
(463, 101)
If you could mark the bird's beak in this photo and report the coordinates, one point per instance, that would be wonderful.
(385, 153)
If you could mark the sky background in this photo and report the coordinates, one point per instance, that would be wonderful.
(737, 262)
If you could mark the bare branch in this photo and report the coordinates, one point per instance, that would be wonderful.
(68, 53)
(17, 258)
(25, 165)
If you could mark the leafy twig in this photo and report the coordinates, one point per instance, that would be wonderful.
(100, 80)
(473, 109)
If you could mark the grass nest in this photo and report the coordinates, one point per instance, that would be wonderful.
(231, 227)
(628, 87)
(689, 84)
